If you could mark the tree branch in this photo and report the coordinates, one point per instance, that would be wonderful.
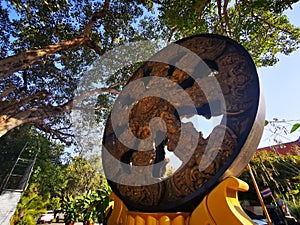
(93, 45)
(15, 106)
(31, 115)
(97, 91)
(95, 16)
(13, 116)
(172, 33)
(28, 58)
(101, 108)
(6, 92)
(226, 15)
(271, 25)
(55, 133)
(219, 4)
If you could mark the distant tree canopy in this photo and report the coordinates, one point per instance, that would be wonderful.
(47, 45)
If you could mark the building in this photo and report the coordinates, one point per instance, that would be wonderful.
(290, 148)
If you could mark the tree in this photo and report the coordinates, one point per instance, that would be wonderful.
(33, 145)
(29, 208)
(280, 173)
(260, 26)
(94, 206)
(50, 179)
(54, 183)
(46, 47)
(82, 177)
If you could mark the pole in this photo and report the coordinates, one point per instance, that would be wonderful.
(259, 195)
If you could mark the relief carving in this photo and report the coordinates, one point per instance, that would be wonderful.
(203, 159)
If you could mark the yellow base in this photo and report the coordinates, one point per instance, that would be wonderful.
(219, 207)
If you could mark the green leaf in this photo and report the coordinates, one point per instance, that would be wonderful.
(266, 122)
(295, 127)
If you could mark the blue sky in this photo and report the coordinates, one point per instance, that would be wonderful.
(281, 87)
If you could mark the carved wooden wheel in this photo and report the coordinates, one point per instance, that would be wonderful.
(200, 76)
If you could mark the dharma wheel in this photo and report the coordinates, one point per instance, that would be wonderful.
(153, 121)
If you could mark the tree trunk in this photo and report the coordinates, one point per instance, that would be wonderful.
(7, 123)
(31, 115)
(28, 58)
(16, 112)
(13, 115)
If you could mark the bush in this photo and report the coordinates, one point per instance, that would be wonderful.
(295, 209)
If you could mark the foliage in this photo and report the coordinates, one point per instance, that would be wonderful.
(94, 206)
(86, 192)
(47, 46)
(280, 173)
(35, 144)
(52, 180)
(29, 208)
(260, 26)
(281, 129)
(295, 209)
(47, 180)
(59, 41)
(76, 190)
(71, 212)
(89, 207)
(295, 127)
(54, 204)
(50, 44)
(82, 177)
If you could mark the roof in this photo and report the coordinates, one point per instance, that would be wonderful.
(290, 148)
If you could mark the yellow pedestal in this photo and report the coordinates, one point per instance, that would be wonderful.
(219, 207)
